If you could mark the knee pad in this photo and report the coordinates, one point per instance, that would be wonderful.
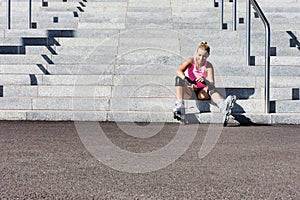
(178, 81)
(211, 89)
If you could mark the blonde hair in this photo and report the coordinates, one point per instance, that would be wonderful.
(203, 45)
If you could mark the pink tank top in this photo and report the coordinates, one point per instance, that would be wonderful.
(193, 73)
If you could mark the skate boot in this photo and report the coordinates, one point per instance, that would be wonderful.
(229, 103)
(179, 111)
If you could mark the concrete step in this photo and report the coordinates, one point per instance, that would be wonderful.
(278, 2)
(21, 69)
(65, 2)
(68, 104)
(279, 94)
(283, 15)
(144, 105)
(279, 60)
(192, 7)
(221, 81)
(100, 50)
(96, 42)
(19, 79)
(105, 7)
(76, 104)
(90, 91)
(132, 77)
(135, 92)
(75, 80)
(149, 55)
(59, 115)
(153, 69)
(274, 27)
(96, 33)
(128, 42)
(11, 41)
(17, 33)
(148, 18)
(246, 118)
(20, 91)
(50, 115)
(55, 80)
(134, 107)
(46, 24)
(104, 18)
(281, 20)
(16, 103)
(62, 24)
(80, 69)
(280, 76)
(24, 59)
(61, 7)
(50, 14)
(287, 106)
(278, 38)
(196, 25)
(241, 106)
(259, 118)
(44, 21)
(83, 59)
(39, 50)
(292, 8)
(280, 51)
(222, 70)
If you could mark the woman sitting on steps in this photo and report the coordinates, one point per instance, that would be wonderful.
(195, 79)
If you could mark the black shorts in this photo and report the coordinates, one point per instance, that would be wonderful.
(180, 82)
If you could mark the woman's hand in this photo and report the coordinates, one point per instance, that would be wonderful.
(200, 79)
(193, 86)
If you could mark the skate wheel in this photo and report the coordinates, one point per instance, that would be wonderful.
(226, 120)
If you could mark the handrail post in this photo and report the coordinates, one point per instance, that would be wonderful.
(29, 13)
(267, 48)
(222, 15)
(8, 13)
(248, 34)
(234, 16)
(267, 70)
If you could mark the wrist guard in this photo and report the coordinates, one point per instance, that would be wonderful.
(188, 81)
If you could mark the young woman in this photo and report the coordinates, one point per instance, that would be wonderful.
(195, 80)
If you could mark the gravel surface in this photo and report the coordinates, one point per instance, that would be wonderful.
(47, 160)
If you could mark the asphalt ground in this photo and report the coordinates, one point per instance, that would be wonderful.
(49, 160)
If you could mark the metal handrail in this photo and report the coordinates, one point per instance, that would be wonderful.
(233, 15)
(222, 15)
(29, 13)
(9, 14)
(267, 47)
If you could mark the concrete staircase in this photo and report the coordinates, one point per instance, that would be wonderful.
(116, 61)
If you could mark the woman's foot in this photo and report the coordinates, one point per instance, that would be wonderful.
(229, 104)
(179, 110)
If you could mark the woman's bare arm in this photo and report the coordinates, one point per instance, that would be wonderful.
(210, 73)
(180, 71)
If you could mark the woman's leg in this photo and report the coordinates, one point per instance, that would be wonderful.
(215, 96)
(203, 94)
(182, 91)
(224, 104)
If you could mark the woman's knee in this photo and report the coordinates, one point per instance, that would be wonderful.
(179, 81)
(203, 95)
